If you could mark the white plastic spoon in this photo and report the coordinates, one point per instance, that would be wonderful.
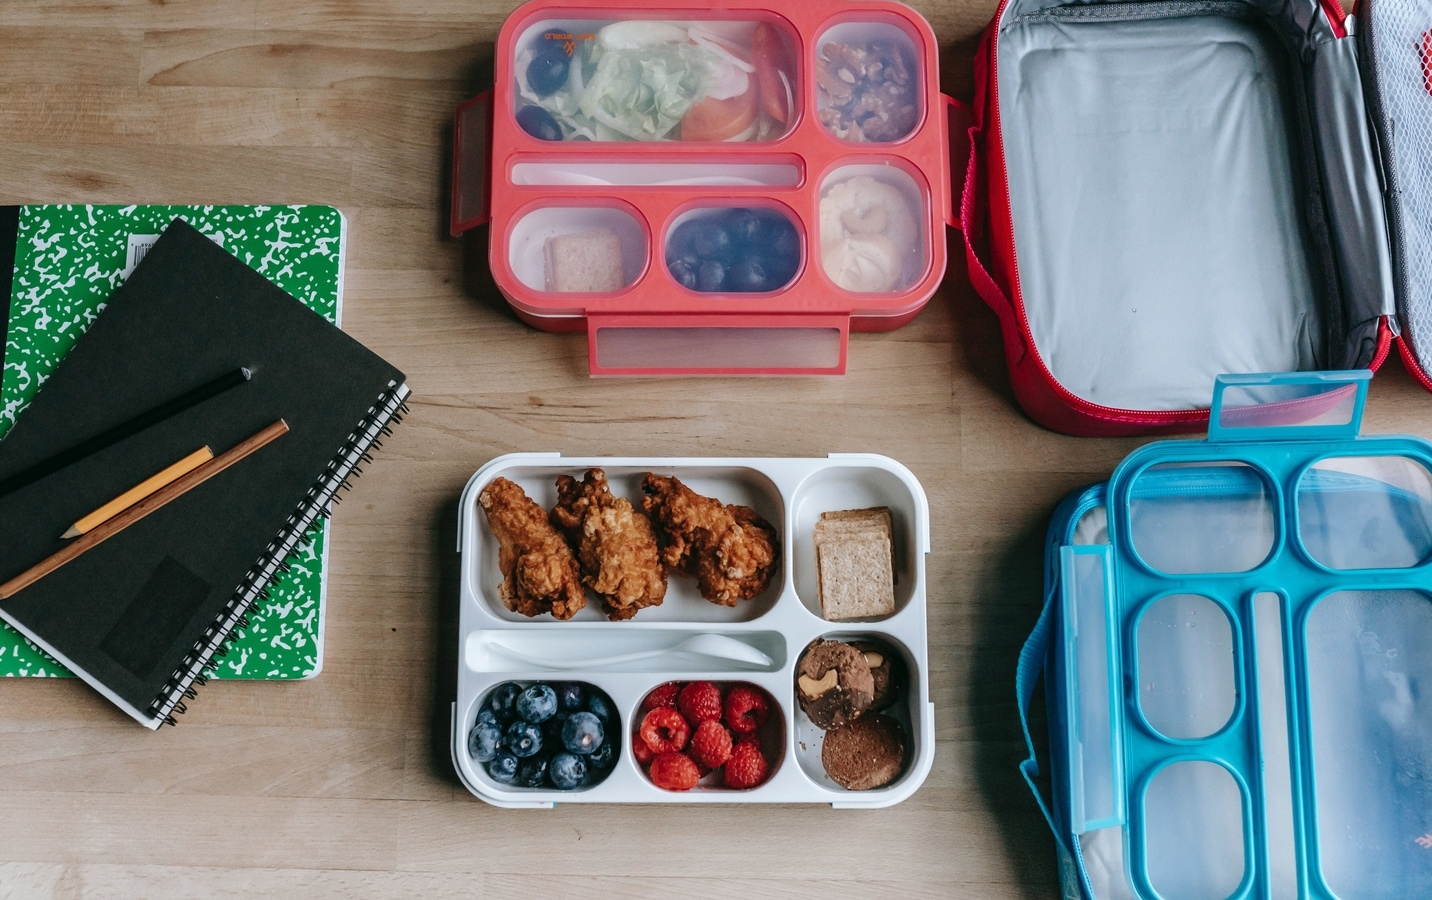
(718, 646)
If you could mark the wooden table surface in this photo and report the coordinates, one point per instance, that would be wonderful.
(342, 786)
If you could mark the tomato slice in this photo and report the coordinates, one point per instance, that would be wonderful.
(769, 58)
(720, 120)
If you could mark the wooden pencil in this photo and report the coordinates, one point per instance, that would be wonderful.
(137, 493)
(143, 508)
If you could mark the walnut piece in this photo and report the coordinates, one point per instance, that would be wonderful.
(866, 92)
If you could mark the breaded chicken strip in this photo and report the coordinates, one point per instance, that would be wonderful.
(614, 542)
(732, 551)
(539, 572)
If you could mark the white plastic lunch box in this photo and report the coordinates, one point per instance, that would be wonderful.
(790, 494)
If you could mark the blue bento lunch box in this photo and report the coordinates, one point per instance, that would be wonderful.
(1236, 647)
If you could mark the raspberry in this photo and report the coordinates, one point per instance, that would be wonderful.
(664, 730)
(711, 744)
(746, 768)
(661, 695)
(674, 772)
(699, 701)
(746, 710)
(641, 750)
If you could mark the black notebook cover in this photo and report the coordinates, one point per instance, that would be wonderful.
(139, 615)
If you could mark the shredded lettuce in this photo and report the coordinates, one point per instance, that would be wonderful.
(643, 92)
(637, 80)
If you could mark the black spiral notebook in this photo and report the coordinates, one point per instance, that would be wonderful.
(141, 615)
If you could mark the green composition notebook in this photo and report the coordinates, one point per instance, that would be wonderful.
(68, 260)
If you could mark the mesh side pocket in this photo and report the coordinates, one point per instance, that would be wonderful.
(1399, 42)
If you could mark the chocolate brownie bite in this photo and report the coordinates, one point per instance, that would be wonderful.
(887, 671)
(866, 754)
(833, 683)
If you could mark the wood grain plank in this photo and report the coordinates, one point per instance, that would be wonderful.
(413, 51)
(47, 55)
(260, 832)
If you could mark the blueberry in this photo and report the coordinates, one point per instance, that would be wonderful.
(504, 768)
(502, 699)
(746, 225)
(582, 733)
(712, 239)
(523, 739)
(749, 274)
(571, 695)
(784, 240)
(780, 269)
(603, 758)
(539, 123)
(532, 772)
(566, 771)
(537, 704)
(681, 243)
(487, 715)
(484, 741)
(600, 707)
(684, 273)
(548, 71)
(711, 276)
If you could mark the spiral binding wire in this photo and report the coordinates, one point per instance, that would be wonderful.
(389, 410)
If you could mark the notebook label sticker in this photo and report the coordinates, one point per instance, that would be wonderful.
(139, 245)
(153, 619)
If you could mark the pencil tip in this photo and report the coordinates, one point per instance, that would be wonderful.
(72, 533)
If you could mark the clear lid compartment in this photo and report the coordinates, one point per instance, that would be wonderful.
(733, 249)
(1193, 813)
(577, 249)
(1366, 512)
(868, 81)
(1202, 517)
(649, 173)
(1370, 700)
(1186, 666)
(708, 80)
(872, 228)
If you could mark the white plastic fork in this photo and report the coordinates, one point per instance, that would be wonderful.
(717, 646)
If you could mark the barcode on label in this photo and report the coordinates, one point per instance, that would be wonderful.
(139, 245)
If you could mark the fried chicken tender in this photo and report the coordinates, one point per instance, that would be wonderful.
(614, 542)
(539, 572)
(732, 551)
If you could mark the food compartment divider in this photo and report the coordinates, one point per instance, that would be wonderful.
(781, 629)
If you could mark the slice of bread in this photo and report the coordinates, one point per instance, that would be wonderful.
(585, 261)
(855, 520)
(856, 581)
(875, 521)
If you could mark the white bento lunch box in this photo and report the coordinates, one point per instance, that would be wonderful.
(790, 494)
